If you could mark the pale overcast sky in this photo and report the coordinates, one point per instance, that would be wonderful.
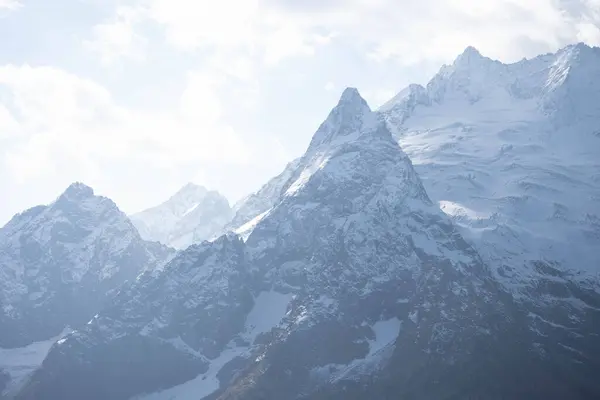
(136, 98)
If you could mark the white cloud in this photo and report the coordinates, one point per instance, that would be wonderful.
(10, 5)
(204, 23)
(588, 21)
(412, 32)
(8, 125)
(222, 27)
(588, 33)
(118, 38)
(71, 127)
(47, 97)
(406, 31)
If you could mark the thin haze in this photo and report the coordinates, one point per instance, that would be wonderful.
(136, 98)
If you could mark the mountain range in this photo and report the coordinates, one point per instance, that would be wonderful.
(446, 246)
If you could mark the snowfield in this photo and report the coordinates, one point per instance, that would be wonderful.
(510, 152)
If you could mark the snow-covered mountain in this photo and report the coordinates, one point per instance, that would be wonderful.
(465, 271)
(353, 283)
(58, 265)
(57, 262)
(191, 215)
(512, 154)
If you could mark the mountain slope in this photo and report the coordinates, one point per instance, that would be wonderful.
(353, 275)
(191, 215)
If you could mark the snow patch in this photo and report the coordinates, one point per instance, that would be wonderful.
(305, 176)
(189, 210)
(458, 210)
(386, 333)
(21, 362)
(201, 386)
(268, 311)
(245, 230)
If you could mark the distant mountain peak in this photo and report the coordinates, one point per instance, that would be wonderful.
(470, 56)
(191, 215)
(471, 51)
(191, 186)
(190, 189)
(78, 190)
